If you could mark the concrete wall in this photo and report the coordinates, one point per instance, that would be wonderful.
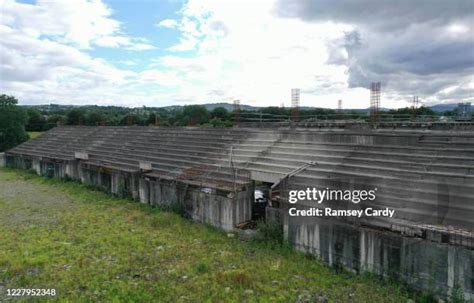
(422, 264)
(2, 159)
(220, 209)
(223, 210)
(50, 168)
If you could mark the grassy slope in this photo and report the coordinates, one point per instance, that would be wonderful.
(34, 135)
(92, 246)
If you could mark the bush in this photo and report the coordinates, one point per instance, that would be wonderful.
(12, 123)
(270, 233)
(202, 267)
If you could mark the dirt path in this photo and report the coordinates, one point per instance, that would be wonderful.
(27, 203)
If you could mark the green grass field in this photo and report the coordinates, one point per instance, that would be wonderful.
(91, 246)
(34, 135)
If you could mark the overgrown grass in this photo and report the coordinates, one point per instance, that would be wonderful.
(34, 135)
(91, 246)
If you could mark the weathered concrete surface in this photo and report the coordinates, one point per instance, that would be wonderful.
(426, 175)
(2, 159)
(223, 210)
(422, 264)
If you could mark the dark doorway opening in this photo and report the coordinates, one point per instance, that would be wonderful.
(261, 198)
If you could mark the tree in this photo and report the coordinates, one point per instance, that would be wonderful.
(75, 117)
(55, 120)
(36, 121)
(12, 123)
(95, 118)
(131, 119)
(220, 113)
(6, 100)
(410, 113)
(193, 115)
(153, 119)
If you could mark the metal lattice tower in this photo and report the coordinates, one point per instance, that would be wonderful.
(414, 106)
(415, 102)
(374, 101)
(295, 104)
(237, 112)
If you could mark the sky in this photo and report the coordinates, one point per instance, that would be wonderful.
(173, 52)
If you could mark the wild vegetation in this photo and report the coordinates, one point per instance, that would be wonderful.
(12, 123)
(34, 135)
(91, 246)
(191, 115)
(44, 117)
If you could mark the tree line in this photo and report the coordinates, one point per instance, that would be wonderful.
(16, 121)
(192, 115)
(44, 118)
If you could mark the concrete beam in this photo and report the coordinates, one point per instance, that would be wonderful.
(265, 176)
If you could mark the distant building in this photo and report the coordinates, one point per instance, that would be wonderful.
(464, 112)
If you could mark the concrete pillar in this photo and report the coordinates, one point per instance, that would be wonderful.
(69, 170)
(151, 195)
(82, 176)
(158, 195)
(367, 251)
(2, 159)
(134, 187)
(285, 226)
(36, 165)
(451, 266)
(114, 183)
(143, 192)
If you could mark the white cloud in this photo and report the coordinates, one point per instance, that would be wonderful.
(243, 51)
(38, 64)
(168, 23)
(412, 49)
(42, 57)
(81, 23)
(44, 71)
(190, 35)
(234, 50)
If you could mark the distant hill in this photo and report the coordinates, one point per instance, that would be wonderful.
(211, 106)
(228, 106)
(444, 107)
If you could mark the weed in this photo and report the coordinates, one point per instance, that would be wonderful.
(270, 233)
(92, 246)
(202, 267)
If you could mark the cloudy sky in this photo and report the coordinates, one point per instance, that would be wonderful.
(158, 53)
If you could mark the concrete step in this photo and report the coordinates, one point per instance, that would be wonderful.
(299, 160)
(426, 193)
(462, 186)
(369, 169)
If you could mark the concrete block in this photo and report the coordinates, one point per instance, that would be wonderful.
(81, 156)
(145, 166)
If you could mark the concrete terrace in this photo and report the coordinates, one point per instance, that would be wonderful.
(417, 171)
(425, 175)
